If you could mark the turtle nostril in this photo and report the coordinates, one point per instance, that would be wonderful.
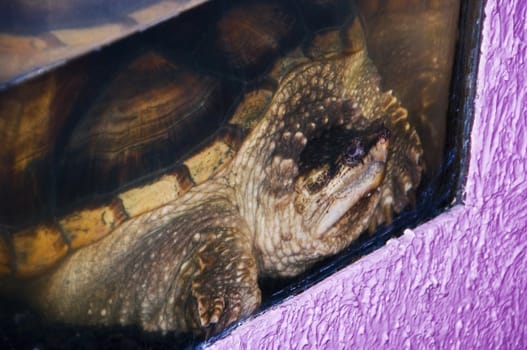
(385, 134)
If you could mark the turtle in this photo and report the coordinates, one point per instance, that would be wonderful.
(313, 154)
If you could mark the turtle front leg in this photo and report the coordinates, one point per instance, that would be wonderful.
(222, 278)
(215, 276)
(187, 267)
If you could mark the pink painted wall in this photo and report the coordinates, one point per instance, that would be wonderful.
(459, 281)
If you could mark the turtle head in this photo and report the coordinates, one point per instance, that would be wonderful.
(338, 172)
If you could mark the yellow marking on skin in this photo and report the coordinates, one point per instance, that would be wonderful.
(208, 161)
(90, 225)
(37, 249)
(146, 198)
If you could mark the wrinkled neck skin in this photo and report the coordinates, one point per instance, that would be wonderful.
(310, 98)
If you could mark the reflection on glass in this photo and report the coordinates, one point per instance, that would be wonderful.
(197, 167)
(412, 43)
(38, 35)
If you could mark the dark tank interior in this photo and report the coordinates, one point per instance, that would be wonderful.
(425, 52)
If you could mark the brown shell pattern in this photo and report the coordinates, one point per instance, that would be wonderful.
(113, 135)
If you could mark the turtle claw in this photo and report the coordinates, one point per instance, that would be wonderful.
(215, 312)
(224, 285)
(214, 316)
(210, 314)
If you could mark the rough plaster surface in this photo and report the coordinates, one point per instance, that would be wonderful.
(458, 281)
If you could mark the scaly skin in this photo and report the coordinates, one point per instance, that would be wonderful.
(192, 265)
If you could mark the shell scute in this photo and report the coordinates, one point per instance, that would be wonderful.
(86, 226)
(143, 121)
(37, 249)
(32, 116)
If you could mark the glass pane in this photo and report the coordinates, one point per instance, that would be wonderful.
(241, 149)
(38, 35)
(412, 43)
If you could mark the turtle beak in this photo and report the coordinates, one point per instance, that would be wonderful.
(350, 185)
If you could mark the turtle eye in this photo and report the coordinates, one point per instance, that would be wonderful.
(354, 153)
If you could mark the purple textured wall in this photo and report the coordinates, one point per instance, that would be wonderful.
(457, 281)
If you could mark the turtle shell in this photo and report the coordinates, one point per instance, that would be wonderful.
(133, 127)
